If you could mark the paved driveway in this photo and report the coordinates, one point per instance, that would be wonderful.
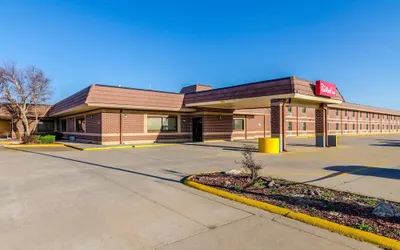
(133, 198)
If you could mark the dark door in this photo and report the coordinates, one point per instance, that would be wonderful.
(197, 129)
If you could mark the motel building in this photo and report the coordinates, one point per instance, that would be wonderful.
(277, 108)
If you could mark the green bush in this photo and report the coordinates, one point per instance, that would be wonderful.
(47, 139)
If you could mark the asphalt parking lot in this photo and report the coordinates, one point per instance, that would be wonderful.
(133, 198)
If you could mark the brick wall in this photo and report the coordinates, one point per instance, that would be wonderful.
(133, 123)
(93, 123)
(217, 127)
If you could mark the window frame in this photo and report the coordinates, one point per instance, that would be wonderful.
(234, 125)
(289, 111)
(61, 125)
(303, 126)
(162, 126)
(290, 125)
(42, 122)
(304, 111)
(83, 118)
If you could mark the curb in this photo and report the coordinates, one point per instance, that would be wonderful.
(98, 148)
(34, 145)
(315, 221)
(152, 145)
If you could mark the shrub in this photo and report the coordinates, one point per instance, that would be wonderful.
(248, 163)
(29, 139)
(47, 139)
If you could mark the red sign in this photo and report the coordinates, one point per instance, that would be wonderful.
(325, 88)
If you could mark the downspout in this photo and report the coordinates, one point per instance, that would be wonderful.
(283, 127)
(245, 127)
(297, 120)
(120, 126)
(326, 126)
(265, 125)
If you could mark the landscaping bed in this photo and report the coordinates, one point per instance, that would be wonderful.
(344, 208)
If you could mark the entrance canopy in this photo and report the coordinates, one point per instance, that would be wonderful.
(260, 94)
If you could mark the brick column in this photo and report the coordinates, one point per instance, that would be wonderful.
(278, 122)
(321, 129)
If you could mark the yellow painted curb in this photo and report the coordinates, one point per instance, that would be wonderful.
(334, 227)
(106, 148)
(152, 145)
(34, 145)
(97, 148)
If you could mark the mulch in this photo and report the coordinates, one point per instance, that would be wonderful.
(340, 207)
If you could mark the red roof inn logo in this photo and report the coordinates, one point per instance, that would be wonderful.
(325, 89)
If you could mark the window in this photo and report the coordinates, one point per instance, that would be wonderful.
(354, 126)
(290, 126)
(360, 126)
(387, 127)
(373, 115)
(345, 126)
(304, 126)
(80, 124)
(378, 126)
(289, 109)
(366, 126)
(63, 125)
(238, 124)
(366, 115)
(373, 126)
(161, 124)
(378, 116)
(360, 114)
(345, 113)
(337, 126)
(304, 111)
(46, 126)
(354, 113)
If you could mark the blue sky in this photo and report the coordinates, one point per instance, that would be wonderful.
(165, 45)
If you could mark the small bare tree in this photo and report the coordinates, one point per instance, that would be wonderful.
(248, 163)
(21, 91)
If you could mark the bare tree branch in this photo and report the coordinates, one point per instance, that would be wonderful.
(22, 91)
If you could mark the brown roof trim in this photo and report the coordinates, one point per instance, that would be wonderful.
(150, 90)
(365, 108)
(240, 85)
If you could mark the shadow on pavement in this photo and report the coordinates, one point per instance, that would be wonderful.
(388, 173)
(97, 165)
(386, 143)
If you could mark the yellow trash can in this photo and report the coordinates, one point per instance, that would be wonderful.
(268, 145)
